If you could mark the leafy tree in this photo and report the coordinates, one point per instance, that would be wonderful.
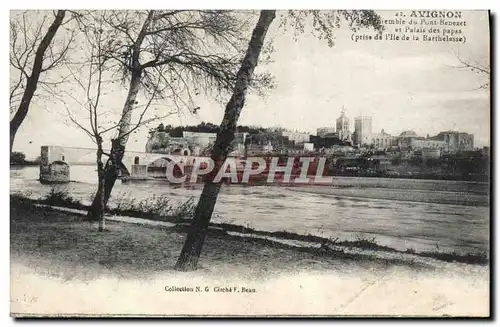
(17, 158)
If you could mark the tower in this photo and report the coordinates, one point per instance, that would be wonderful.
(343, 125)
(362, 130)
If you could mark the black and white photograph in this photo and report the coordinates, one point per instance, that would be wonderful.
(250, 163)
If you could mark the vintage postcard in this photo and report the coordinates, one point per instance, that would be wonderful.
(291, 163)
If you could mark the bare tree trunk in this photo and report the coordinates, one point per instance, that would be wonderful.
(111, 171)
(32, 80)
(190, 254)
(100, 206)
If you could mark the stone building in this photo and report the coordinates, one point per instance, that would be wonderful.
(326, 132)
(456, 141)
(295, 136)
(409, 140)
(382, 140)
(189, 144)
(201, 139)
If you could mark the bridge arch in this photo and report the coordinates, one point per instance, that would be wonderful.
(181, 151)
(158, 167)
(163, 159)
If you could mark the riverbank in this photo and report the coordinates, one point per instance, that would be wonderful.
(62, 243)
(56, 252)
(178, 219)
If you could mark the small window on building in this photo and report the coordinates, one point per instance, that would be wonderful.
(62, 158)
(136, 160)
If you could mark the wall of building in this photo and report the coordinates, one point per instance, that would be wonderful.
(308, 146)
(430, 154)
(201, 139)
(297, 137)
(381, 140)
(194, 143)
(362, 130)
(343, 126)
(456, 141)
(427, 144)
(326, 131)
(466, 142)
(49, 154)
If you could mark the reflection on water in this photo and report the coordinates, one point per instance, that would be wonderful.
(418, 214)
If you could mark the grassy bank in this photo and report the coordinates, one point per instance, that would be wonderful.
(62, 244)
(158, 208)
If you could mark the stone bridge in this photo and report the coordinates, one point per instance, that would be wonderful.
(135, 163)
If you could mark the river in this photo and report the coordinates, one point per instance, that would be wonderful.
(400, 213)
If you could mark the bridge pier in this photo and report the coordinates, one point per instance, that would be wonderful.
(53, 168)
(139, 171)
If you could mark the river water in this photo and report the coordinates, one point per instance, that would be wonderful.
(401, 213)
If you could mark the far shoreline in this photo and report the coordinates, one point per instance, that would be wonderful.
(484, 180)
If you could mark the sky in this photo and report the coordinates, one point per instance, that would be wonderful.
(402, 85)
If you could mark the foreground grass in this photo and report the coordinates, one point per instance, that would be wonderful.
(154, 208)
(62, 244)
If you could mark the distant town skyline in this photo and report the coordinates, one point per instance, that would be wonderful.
(402, 86)
(313, 132)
